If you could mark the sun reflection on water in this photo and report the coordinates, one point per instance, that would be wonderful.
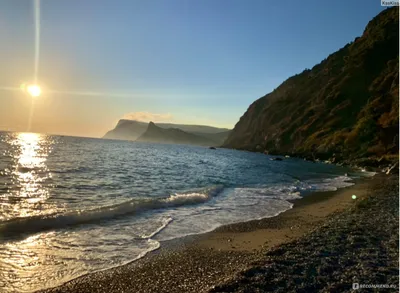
(26, 175)
(30, 160)
(25, 189)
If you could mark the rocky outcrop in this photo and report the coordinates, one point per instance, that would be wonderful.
(127, 130)
(155, 134)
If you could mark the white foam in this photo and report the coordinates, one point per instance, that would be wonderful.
(164, 224)
(187, 197)
(233, 205)
(243, 204)
(328, 184)
(26, 225)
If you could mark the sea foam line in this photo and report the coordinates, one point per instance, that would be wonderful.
(34, 224)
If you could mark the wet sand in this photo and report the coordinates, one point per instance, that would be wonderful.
(292, 224)
(222, 259)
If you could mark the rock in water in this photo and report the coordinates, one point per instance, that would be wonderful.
(277, 159)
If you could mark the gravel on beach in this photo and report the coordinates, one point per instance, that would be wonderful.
(359, 245)
(183, 269)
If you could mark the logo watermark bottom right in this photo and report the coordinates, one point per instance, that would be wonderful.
(372, 286)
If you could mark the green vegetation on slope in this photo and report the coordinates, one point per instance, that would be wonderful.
(346, 107)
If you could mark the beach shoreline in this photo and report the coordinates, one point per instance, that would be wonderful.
(356, 248)
(198, 262)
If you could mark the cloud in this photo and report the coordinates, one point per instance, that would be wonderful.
(147, 117)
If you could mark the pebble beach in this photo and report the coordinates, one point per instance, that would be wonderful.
(327, 242)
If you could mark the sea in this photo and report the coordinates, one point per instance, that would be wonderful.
(70, 206)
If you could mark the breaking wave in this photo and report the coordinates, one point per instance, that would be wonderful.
(34, 224)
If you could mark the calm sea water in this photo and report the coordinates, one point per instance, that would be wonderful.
(69, 205)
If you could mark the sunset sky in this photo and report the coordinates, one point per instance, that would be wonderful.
(194, 62)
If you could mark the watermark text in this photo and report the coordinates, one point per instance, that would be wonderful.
(373, 286)
(390, 3)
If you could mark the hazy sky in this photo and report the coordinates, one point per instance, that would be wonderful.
(186, 61)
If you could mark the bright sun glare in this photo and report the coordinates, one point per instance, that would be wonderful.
(34, 90)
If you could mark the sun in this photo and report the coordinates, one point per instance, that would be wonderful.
(34, 90)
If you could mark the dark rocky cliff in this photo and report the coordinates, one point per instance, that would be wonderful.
(345, 108)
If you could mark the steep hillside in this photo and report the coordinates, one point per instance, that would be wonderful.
(157, 134)
(346, 107)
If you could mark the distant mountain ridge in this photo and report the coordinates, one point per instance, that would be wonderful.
(133, 130)
(156, 134)
(345, 108)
